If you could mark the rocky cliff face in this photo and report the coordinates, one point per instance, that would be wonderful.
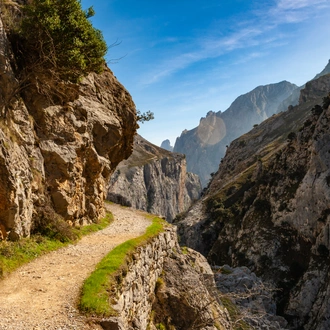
(154, 180)
(268, 208)
(205, 145)
(57, 154)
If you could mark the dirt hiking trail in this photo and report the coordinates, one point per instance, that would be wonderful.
(44, 293)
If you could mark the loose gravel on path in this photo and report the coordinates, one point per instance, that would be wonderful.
(44, 293)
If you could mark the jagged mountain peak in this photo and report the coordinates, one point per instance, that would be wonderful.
(206, 144)
(166, 144)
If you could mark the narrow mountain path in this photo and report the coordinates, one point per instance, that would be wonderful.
(44, 293)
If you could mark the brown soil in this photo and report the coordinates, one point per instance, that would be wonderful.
(44, 293)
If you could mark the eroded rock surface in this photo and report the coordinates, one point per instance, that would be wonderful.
(154, 180)
(185, 297)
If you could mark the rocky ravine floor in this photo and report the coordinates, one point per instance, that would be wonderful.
(44, 293)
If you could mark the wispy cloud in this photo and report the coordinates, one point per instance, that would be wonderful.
(207, 48)
(298, 4)
(256, 31)
(293, 11)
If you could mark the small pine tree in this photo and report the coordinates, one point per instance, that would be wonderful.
(59, 36)
(145, 116)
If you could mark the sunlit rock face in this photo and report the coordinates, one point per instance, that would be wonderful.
(154, 180)
(57, 154)
(267, 208)
(205, 145)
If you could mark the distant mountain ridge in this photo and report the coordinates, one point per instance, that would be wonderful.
(205, 145)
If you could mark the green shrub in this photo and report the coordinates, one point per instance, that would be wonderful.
(292, 136)
(326, 101)
(58, 36)
(50, 224)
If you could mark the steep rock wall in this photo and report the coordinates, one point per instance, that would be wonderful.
(56, 154)
(154, 180)
(141, 298)
(268, 208)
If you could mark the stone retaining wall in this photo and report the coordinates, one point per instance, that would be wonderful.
(135, 295)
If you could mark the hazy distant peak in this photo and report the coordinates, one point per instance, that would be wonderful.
(262, 99)
(166, 144)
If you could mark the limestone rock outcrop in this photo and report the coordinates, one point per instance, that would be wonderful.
(57, 153)
(267, 208)
(154, 180)
(205, 145)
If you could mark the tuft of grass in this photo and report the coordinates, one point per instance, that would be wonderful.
(108, 274)
(94, 227)
(16, 254)
(184, 250)
(225, 271)
(159, 283)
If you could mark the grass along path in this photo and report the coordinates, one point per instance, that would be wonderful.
(95, 292)
(44, 293)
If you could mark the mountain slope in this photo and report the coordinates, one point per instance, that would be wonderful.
(268, 208)
(325, 71)
(205, 145)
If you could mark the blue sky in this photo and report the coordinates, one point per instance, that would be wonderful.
(181, 59)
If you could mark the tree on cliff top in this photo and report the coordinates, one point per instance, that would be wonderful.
(59, 37)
